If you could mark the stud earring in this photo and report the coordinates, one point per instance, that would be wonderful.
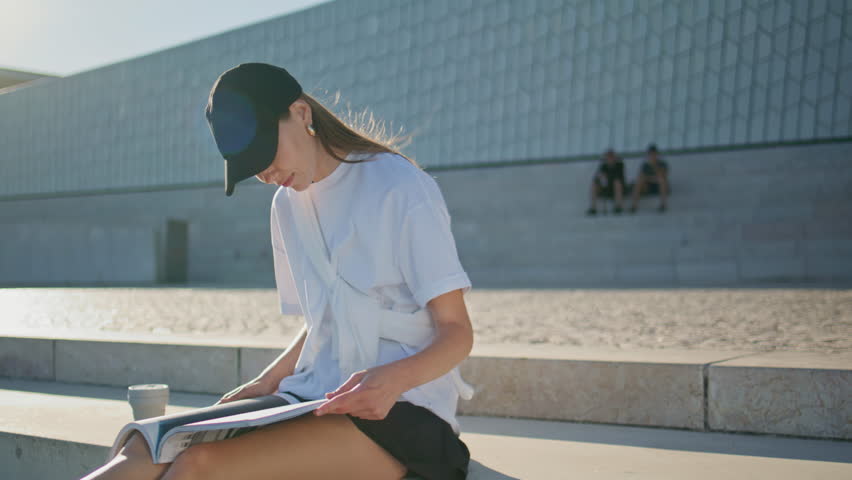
(311, 131)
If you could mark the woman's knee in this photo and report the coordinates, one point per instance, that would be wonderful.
(194, 462)
(136, 448)
(132, 462)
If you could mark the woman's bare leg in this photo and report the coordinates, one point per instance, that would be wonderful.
(133, 462)
(307, 447)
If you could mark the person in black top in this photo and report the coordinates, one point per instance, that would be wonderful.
(653, 179)
(608, 181)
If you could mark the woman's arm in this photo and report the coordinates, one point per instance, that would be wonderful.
(285, 364)
(371, 393)
(267, 382)
(451, 345)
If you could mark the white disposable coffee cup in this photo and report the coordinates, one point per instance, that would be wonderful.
(148, 400)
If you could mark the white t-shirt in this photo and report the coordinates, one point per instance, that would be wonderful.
(389, 223)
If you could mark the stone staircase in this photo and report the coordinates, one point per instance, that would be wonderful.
(52, 430)
(736, 217)
(539, 412)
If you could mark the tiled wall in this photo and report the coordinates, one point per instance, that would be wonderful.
(475, 80)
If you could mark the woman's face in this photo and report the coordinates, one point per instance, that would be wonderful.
(295, 163)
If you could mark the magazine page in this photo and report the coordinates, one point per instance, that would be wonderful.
(184, 436)
(155, 428)
(149, 429)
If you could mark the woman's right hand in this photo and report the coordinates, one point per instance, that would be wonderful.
(254, 388)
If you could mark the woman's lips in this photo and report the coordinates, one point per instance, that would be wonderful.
(289, 180)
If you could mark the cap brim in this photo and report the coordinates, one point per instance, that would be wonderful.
(229, 182)
(246, 135)
(254, 159)
(242, 167)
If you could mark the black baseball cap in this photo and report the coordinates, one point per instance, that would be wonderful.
(242, 112)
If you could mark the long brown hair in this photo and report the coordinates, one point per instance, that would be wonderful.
(361, 132)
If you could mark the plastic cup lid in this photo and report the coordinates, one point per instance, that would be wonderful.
(148, 389)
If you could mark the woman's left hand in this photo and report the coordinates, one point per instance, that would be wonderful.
(368, 394)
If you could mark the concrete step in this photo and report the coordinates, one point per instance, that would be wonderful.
(574, 250)
(720, 202)
(740, 245)
(766, 240)
(662, 388)
(701, 183)
(676, 218)
(525, 182)
(579, 176)
(64, 431)
(552, 273)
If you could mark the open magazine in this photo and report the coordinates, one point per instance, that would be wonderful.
(168, 435)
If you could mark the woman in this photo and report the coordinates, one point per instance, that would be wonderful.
(363, 249)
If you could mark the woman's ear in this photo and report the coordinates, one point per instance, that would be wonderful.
(302, 110)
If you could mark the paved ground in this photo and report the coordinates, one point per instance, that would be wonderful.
(760, 319)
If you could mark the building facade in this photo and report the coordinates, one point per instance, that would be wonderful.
(475, 81)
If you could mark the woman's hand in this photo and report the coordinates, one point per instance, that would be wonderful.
(368, 394)
(255, 388)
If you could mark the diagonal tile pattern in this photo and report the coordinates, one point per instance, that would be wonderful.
(483, 81)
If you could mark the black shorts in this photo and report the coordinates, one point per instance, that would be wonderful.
(422, 441)
(651, 188)
(607, 190)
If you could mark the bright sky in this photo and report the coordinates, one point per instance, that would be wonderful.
(62, 37)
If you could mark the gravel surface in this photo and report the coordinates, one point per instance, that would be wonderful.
(765, 319)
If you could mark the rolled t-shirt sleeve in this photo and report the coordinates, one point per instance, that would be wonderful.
(427, 255)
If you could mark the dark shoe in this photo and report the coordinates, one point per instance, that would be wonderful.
(661, 208)
(617, 210)
(591, 212)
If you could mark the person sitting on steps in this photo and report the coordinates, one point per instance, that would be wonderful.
(608, 182)
(383, 351)
(653, 179)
